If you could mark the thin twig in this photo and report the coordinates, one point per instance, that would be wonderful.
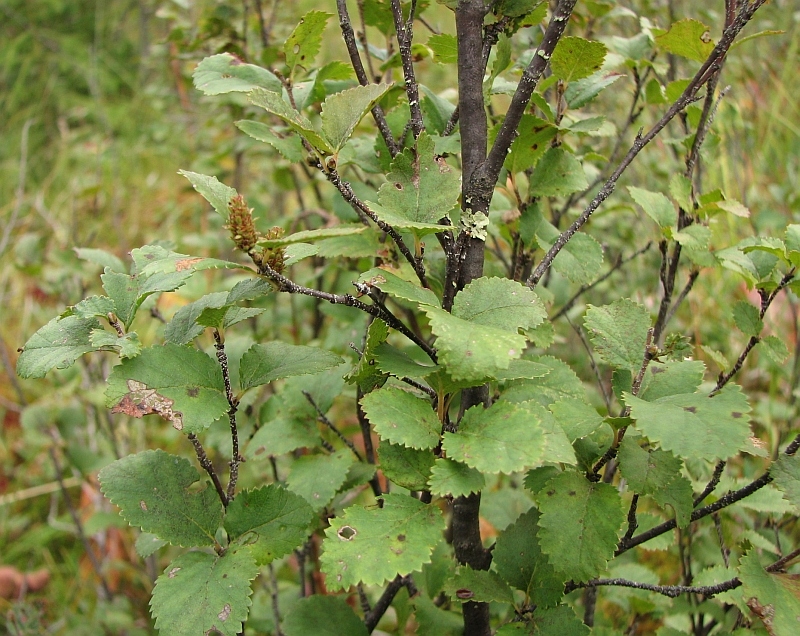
(682, 296)
(355, 59)
(711, 485)
(206, 464)
(595, 369)
(374, 616)
(405, 35)
(689, 95)
(233, 406)
(322, 418)
(672, 591)
(276, 612)
(618, 264)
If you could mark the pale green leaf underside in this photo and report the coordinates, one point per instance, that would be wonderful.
(275, 104)
(373, 545)
(265, 363)
(479, 586)
(216, 193)
(152, 490)
(403, 418)
(646, 471)
(393, 285)
(558, 173)
(406, 467)
(580, 524)
(201, 592)
(341, 112)
(56, 346)
(575, 58)
(153, 259)
(226, 73)
(314, 235)
(271, 521)
(656, 205)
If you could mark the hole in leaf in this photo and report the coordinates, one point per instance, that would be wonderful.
(346, 533)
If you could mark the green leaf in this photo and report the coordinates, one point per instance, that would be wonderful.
(575, 58)
(129, 292)
(290, 146)
(581, 257)
(558, 174)
(400, 364)
(556, 621)
(619, 333)
(444, 47)
(265, 363)
(470, 351)
(646, 471)
(387, 281)
(366, 373)
(102, 258)
(275, 104)
(656, 205)
(56, 346)
(201, 593)
(271, 521)
(433, 621)
(183, 328)
(304, 43)
(216, 193)
(152, 489)
(680, 188)
(343, 111)
(774, 598)
(576, 417)
(401, 417)
(747, 319)
(520, 562)
(226, 73)
(688, 38)
(478, 586)
(678, 495)
(128, 346)
(775, 348)
(317, 478)
(314, 235)
(786, 471)
(580, 93)
(501, 439)
(530, 145)
(181, 384)
(91, 307)
(407, 467)
(454, 478)
(580, 524)
(693, 425)
(671, 378)
(323, 616)
(373, 545)
(154, 259)
(559, 383)
(499, 303)
(147, 544)
(281, 435)
(421, 188)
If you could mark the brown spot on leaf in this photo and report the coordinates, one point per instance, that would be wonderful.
(193, 391)
(173, 572)
(143, 505)
(399, 186)
(401, 537)
(186, 263)
(464, 593)
(765, 612)
(143, 401)
(655, 370)
(443, 167)
(236, 60)
(572, 493)
(691, 409)
(736, 415)
(225, 613)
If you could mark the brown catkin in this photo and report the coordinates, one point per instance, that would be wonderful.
(241, 225)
